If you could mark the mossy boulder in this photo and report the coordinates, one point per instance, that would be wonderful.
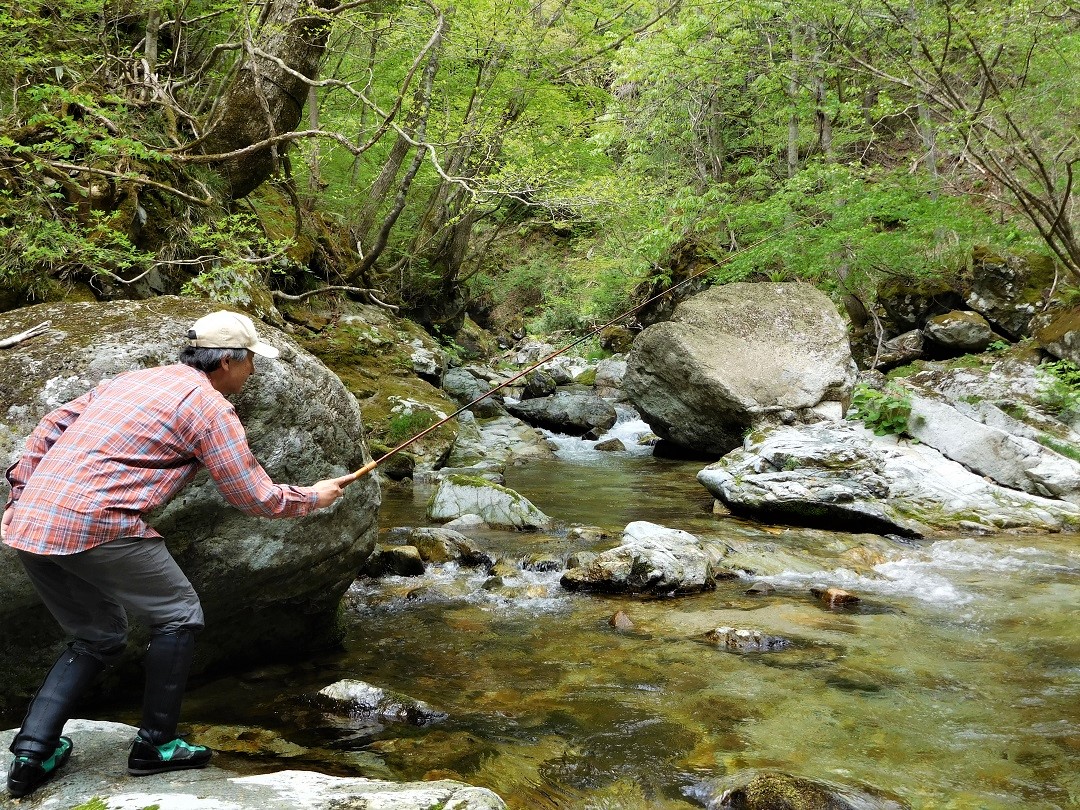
(269, 588)
(500, 507)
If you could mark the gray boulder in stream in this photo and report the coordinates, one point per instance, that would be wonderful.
(838, 475)
(737, 355)
(650, 559)
(500, 507)
(358, 697)
(267, 586)
(563, 412)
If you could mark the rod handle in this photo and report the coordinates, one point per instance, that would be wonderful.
(365, 470)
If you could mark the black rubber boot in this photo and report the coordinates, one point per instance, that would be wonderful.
(167, 663)
(53, 704)
(157, 749)
(27, 774)
(176, 755)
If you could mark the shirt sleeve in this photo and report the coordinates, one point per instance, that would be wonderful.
(44, 436)
(224, 451)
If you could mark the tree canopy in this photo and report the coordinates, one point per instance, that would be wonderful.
(527, 160)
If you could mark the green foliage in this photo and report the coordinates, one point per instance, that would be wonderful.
(37, 248)
(229, 248)
(1060, 393)
(1063, 448)
(884, 411)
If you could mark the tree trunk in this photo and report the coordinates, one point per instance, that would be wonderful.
(793, 94)
(265, 99)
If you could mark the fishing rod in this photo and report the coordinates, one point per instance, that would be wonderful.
(371, 465)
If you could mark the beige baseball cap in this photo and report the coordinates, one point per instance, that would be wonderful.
(228, 330)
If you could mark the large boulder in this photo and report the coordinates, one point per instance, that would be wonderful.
(268, 587)
(737, 355)
(840, 476)
(1007, 289)
(960, 431)
(959, 331)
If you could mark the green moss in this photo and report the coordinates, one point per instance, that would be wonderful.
(587, 377)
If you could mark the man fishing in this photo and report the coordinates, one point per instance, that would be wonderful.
(92, 469)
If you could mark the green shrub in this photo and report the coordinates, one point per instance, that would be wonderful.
(1060, 393)
(884, 411)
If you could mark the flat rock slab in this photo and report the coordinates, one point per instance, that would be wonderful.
(97, 769)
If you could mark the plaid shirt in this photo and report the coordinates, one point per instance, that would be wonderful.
(93, 467)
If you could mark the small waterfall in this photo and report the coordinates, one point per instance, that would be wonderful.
(628, 428)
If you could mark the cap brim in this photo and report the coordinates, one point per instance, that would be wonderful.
(264, 350)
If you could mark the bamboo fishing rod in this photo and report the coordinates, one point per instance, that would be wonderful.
(371, 465)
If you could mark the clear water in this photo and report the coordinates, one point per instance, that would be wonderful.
(954, 684)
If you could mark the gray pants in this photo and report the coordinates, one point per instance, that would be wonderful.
(90, 593)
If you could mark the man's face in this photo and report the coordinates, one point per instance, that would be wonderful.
(236, 373)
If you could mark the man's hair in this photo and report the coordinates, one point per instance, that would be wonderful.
(208, 360)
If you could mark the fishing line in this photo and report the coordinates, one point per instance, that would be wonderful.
(371, 465)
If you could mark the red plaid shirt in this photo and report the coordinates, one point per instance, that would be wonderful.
(93, 467)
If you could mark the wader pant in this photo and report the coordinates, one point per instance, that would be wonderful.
(90, 594)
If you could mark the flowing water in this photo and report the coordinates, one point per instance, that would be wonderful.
(955, 683)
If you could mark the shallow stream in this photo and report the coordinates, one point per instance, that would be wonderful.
(954, 683)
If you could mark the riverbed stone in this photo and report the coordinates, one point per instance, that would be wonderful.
(267, 586)
(499, 506)
(402, 561)
(609, 378)
(737, 355)
(744, 640)
(440, 545)
(835, 597)
(465, 387)
(96, 771)
(901, 349)
(773, 790)
(650, 559)
(501, 441)
(358, 697)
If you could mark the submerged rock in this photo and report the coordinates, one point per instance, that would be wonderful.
(745, 640)
(770, 790)
(835, 597)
